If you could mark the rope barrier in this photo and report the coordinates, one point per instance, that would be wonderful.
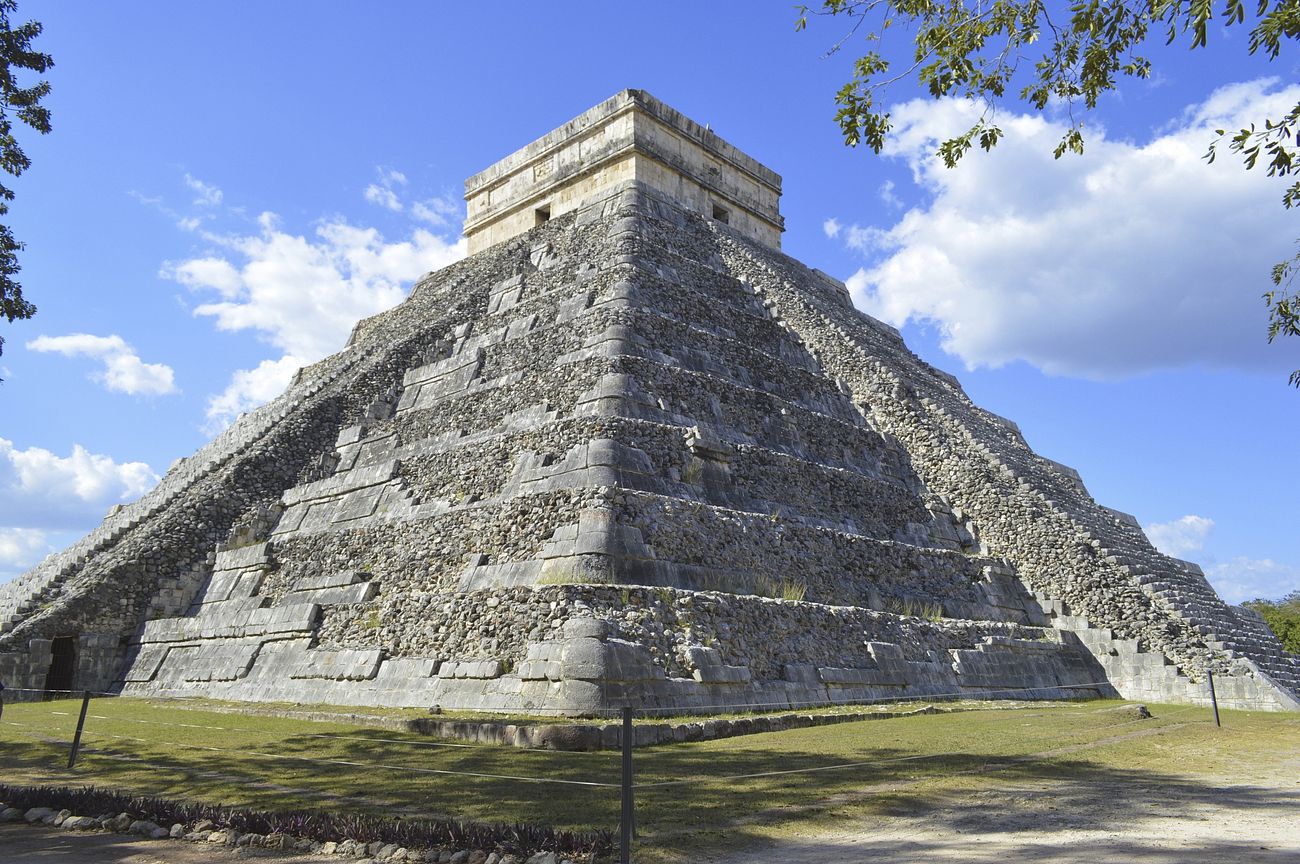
(1101, 733)
(322, 735)
(325, 735)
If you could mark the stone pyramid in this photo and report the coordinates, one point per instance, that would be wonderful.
(627, 452)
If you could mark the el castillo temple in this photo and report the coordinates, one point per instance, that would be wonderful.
(627, 453)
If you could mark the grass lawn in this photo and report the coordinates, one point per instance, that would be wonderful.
(280, 763)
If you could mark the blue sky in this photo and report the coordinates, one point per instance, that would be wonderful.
(228, 187)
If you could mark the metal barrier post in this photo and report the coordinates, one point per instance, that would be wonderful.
(1214, 700)
(625, 823)
(81, 724)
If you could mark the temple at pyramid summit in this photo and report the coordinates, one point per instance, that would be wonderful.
(627, 453)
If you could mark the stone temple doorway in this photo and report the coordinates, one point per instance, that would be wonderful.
(63, 664)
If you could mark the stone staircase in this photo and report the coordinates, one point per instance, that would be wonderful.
(1134, 673)
(1177, 586)
(1237, 632)
(1149, 676)
(45, 582)
(40, 586)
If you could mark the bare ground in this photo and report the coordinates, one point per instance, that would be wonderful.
(41, 844)
(1068, 820)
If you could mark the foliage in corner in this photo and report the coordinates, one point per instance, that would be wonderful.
(24, 103)
(1283, 618)
(1053, 54)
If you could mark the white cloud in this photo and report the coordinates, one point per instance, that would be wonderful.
(20, 548)
(42, 490)
(123, 370)
(1243, 579)
(437, 212)
(886, 193)
(206, 195)
(1236, 581)
(303, 294)
(1130, 258)
(384, 193)
(384, 197)
(204, 273)
(865, 239)
(831, 227)
(1181, 537)
(249, 388)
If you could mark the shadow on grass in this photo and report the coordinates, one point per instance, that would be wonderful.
(983, 851)
(1012, 794)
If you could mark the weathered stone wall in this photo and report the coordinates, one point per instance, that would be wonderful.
(1027, 508)
(565, 475)
(631, 137)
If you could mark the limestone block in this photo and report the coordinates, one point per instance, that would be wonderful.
(147, 663)
(357, 478)
(224, 661)
(856, 677)
(572, 307)
(168, 630)
(585, 628)
(504, 295)
(615, 454)
(450, 367)
(340, 579)
(526, 418)
(401, 670)
(544, 650)
(349, 435)
(292, 519)
(248, 556)
(541, 670)
(584, 658)
(358, 505)
(721, 674)
(801, 673)
(476, 669)
(885, 653)
(521, 326)
(700, 655)
(231, 584)
(343, 665)
(533, 670)
(1125, 518)
(487, 576)
(342, 595)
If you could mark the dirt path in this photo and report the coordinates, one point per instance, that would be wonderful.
(28, 844)
(1070, 822)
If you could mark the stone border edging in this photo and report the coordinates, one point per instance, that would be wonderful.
(597, 736)
(207, 832)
